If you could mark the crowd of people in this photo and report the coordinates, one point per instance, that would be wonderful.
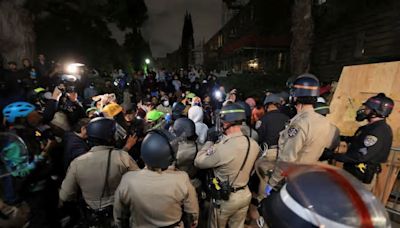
(163, 148)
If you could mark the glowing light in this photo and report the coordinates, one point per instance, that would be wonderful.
(147, 61)
(73, 68)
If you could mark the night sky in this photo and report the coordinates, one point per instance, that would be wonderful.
(163, 29)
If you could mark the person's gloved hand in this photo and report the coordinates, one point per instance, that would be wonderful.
(213, 136)
(168, 118)
(268, 190)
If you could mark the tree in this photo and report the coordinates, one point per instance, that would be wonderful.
(79, 29)
(302, 36)
(16, 31)
(187, 42)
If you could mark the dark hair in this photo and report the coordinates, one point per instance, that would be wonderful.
(100, 142)
(307, 100)
(12, 63)
(81, 123)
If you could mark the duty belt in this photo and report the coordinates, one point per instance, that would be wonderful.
(238, 189)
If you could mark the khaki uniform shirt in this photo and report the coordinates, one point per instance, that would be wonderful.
(185, 157)
(155, 199)
(227, 156)
(303, 141)
(87, 172)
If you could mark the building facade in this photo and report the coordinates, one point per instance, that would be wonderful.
(256, 39)
(354, 32)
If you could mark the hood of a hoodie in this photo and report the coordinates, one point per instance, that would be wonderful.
(196, 114)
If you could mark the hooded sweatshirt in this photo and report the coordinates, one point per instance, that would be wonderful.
(196, 115)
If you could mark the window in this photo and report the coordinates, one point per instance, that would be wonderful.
(280, 61)
(220, 41)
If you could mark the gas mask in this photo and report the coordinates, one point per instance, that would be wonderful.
(362, 114)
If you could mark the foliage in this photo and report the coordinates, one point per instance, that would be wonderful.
(254, 84)
(79, 29)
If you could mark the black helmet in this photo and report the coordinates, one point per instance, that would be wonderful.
(323, 197)
(232, 113)
(101, 128)
(158, 149)
(305, 85)
(184, 127)
(321, 108)
(380, 104)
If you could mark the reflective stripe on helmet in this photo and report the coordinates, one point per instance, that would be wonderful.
(321, 108)
(307, 214)
(306, 87)
(232, 111)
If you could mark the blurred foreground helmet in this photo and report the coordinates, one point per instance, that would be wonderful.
(14, 155)
(318, 196)
(305, 85)
(101, 128)
(158, 149)
(184, 127)
(17, 109)
(380, 104)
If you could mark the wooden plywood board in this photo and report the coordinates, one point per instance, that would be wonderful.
(357, 84)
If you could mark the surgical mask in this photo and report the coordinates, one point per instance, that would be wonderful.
(165, 103)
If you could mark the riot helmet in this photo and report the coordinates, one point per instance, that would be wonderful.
(305, 85)
(236, 112)
(184, 127)
(380, 104)
(322, 196)
(321, 108)
(101, 130)
(159, 148)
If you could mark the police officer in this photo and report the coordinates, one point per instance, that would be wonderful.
(371, 143)
(98, 172)
(322, 108)
(156, 196)
(231, 160)
(246, 125)
(272, 123)
(307, 134)
(185, 129)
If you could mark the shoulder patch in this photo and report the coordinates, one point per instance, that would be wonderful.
(370, 140)
(210, 151)
(292, 131)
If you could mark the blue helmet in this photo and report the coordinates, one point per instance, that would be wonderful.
(305, 85)
(17, 109)
(159, 148)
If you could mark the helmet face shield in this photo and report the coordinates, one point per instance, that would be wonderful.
(311, 196)
(14, 155)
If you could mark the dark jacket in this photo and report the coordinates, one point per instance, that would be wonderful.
(272, 123)
(75, 146)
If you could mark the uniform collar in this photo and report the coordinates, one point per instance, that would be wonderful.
(99, 148)
(234, 135)
(303, 112)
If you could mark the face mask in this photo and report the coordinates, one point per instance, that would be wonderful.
(165, 103)
(361, 115)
